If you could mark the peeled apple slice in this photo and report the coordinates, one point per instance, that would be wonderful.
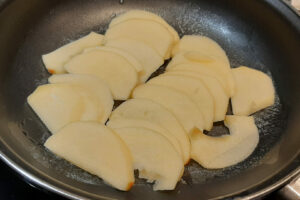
(219, 152)
(184, 109)
(254, 91)
(131, 59)
(150, 60)
(202, 45)
(153, 34)
(145, 15)
(219, 67)
(55, 60)
(201, 70)
(59, 104)
(141, 123)
(148, 110)
(96, 149)
(113, 69)
(194, 89)
(218, 93)
(93, 84)
(154, 156)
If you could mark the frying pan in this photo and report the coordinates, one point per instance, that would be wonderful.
(262, 34)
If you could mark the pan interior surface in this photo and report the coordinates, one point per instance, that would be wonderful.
(253, 33)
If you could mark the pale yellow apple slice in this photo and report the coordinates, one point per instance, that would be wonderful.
(92, 84)
(145, 15)
(203, 45)
(219, 67)
(154, 156)
(153, 34)
(193, 88)
(220, 98)
(96, 149)
(147, 56)
(202, 70)
(142, 123)
(55, 60)
(219, 152)
(113, 69)
(59, 104)
(183, 108)
(254, 91)
(153, 112)
(131, 59)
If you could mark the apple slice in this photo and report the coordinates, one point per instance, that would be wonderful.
(113, 69)
(153, 34)
(141, 123)
(217, 66)
(150, 60)
(254, 91)
(203, 45)
(92, 84)
(220, 98)
(55, 60)
(131, 59)
(226, 150)
(154, 156)
(194, 89)
(184, 109)
(145, 15)
(96, 149)
(153, 112)
(60, 104)
(202, 70)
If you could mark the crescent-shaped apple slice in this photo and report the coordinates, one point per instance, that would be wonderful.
(219, 152)
(92, 84)
(55, 60)
(96, 149)
(254, 91)
(141, 123)
(153, 112)
(113, 69)
(152, 33)
(154, 156)
(193, 88)
(183, 108)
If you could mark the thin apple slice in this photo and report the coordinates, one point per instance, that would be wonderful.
(220, 98)
(55, 60)
(219, 152)
(141, 123)
(93, 84)
(59, 104)
(219, 67)
(193, 88)
(203, 45)
(153, 34)
(153, 112)
(145, 15)
(150, 60)
(183, 108)
(113, 69)
(154, 156)
(131, 59)
(202, 70)
(254, 91)
(96, 149)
